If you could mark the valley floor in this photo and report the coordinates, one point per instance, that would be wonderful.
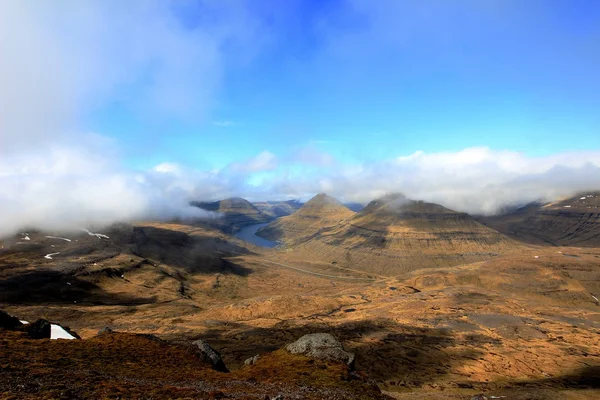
(522, 326)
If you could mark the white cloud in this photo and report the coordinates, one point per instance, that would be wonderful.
(61, 60)
(476, 180)
(264, 161)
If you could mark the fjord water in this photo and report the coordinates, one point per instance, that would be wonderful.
(248, 234)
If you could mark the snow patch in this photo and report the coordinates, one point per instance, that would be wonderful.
(595, 298)
(24, 322)
(537, 256)
(58, 332)
(567, 206)
(56, 237)
(582, 198)
(98, 235)
(49, 256)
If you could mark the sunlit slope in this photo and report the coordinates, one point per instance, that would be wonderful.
(321, 212)
(395, 234)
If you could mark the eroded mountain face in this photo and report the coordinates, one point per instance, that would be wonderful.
(390, 236)
(571, 222)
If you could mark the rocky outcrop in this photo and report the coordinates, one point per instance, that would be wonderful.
(9, 322)
(321, 346)
(210, 355)
(40, 329)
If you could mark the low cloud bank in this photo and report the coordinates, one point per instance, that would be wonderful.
(70, 187)
(477, 180)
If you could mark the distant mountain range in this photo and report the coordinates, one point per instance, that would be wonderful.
(236, 213)
(390, 235)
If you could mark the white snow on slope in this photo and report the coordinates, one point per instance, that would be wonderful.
(98, 235)
(49, 256)
(57, 332)
(56, 237)
(24, 322)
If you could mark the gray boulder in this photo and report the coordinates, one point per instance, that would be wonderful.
(211, 355)
(9, 322)
(322, 346)
(40, 329)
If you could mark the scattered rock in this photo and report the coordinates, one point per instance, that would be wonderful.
(40, 329)
(105, 331)
(7, 321)
(252, 360)
(322, 346)
(210, 355)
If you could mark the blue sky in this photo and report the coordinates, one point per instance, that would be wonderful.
(113, 110)
(365, 81)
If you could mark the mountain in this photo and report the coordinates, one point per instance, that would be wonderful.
(236, 213)
(322, 211)
(505, 221)
(278, 209)
(125, 265)
(574, 221)
(394, 234)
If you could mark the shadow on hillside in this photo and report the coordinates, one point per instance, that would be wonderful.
(399, 355)
(44, 286)
(384, 349)
(583, 378)
(192, 253)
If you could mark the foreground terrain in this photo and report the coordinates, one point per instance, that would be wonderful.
(523, 324)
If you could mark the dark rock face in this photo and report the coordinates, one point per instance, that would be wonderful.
(40, 329)
(7, 321)
(211, 355)
(322, 346)
(562, 227)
